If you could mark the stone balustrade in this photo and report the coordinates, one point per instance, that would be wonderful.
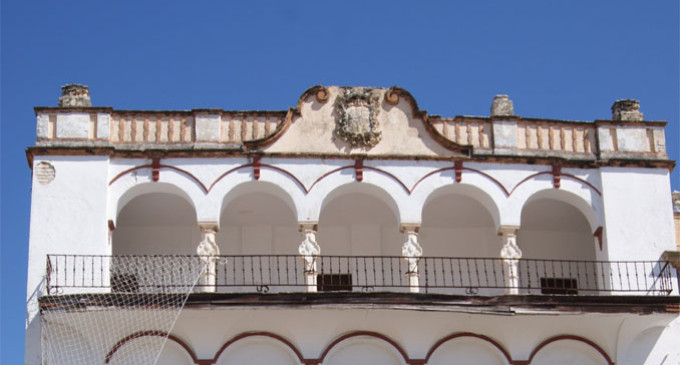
(556, 137)
(100, 126)
(624, 137)
(78, 127)
(475, 132)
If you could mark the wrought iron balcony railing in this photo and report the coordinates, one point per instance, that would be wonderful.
(290, 273)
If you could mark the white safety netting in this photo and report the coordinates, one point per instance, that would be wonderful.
(113, 310)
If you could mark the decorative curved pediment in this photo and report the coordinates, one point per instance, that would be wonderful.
(360, 120)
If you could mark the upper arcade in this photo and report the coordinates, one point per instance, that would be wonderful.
(351, 121)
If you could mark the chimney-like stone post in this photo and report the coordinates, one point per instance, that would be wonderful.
(627, 110)
(502, 106)
(75, 95)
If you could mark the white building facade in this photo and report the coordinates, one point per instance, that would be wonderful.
(353, 228)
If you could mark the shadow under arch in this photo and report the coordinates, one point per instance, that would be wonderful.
(149, 188)
(570, 198)
(254, 187)
(470, 191)
(586, 341)
(376, 335)
(157, 218)
(362, 188)
(557, 224)
(258, 217)
(455, 336)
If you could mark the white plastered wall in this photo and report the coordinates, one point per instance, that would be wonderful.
(638, 213)
(68, 216)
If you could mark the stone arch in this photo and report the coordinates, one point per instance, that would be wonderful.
(471, 191)
(569, 349)
(254, 186)
(581, 196)
(128, 187)
(359, 219)
(271, 349)
(175, 350)
(559, 251)
(155, 218)
(372, 190)
(487, 190)
(475, 349)
(374, 183)
(457, 222)
(365, 348)
(239, 180)
(562, 213)
(258, 217)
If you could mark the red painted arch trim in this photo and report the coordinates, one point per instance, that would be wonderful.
(328, 174)
(498, 183)
(283, 171)
(150, 166)
(125, 172)
(173, 338)
(573, 338)
(364, 333)
(582, 182)
(227, 173)
(365, 168)
(259, 334)
(389, 175)
(469, 334)
(570, 176)
(186, 173)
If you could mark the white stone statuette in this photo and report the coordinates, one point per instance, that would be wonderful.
(510, 250)
(308, 248)
(510, 253)
(411, 251)
(208, 245)
(208, 251)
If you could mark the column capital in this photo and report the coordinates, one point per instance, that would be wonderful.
(508, 230)
(308, 226)
(209, 226)
(409, 228)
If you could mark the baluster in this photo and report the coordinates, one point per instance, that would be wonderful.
(427, 276)
(628, 276)
(618, 269)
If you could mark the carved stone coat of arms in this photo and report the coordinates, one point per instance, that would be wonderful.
(357, 110)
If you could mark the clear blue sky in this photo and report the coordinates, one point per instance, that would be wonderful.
(556, 59)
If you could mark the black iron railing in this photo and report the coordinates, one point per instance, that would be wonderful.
(290, 273)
